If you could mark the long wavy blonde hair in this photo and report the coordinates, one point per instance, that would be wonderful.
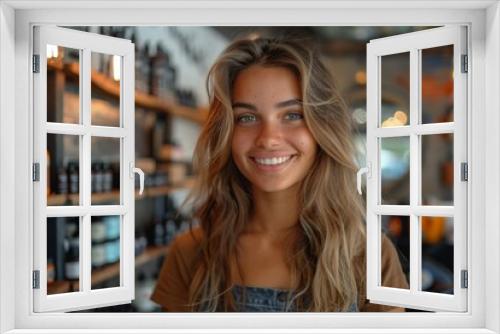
(327, 259)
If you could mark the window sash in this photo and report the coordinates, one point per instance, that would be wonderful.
(413, 43)
(85, 298)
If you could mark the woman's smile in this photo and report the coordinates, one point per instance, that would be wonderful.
(273, 164)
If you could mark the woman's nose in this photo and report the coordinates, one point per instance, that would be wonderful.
(270, 135)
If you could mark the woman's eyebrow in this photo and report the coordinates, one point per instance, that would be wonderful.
(244, 105)
(283, 104)
(288, 103)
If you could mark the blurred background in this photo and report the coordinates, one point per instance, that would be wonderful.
(171, 64)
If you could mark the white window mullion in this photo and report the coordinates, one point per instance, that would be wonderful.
(373, 179)
(85, 174)
(460, 102)
(39, 188)
(65, 129)
(127, 226)
(415, 249)
(419, 129)
(106, 131)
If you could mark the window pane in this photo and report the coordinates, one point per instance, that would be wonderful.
(63, 82)
(106, 76)
(437, 169)
(397, 229)
(395, 170)
(437, 84)
(395, 90)
(105, 252)
(63, 249)
(437, 254)
(105, 170)
(63, 178)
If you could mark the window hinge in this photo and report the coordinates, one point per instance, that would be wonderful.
(36, 63)
(36, 279)
(465, 279)
(36, 171)
(465, 64)
(464, 171)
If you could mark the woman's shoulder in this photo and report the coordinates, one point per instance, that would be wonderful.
(187, 244)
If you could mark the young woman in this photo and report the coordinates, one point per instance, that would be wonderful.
(281, 225)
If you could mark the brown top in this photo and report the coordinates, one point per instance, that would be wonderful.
(178, 268)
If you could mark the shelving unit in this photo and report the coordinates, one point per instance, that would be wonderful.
(162, 108)
(108, 272)
(60, 199)
(143, 100)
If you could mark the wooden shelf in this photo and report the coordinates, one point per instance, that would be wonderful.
(100, 198)
(113, 270)
(143, 100)
(58, 287)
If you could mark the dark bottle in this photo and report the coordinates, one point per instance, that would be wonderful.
(71, 259)
(170, 229)
(162, 74)
(74, 179)
(170, 76)
(158, 233)
(62, 181)
(107, 178)
(97, 177)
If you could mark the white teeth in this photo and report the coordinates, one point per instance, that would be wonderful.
(273, 161)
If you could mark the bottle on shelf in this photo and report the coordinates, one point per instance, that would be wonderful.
(97, 177)
(62, 180)
(107, 178)
(162, 75)
(71, 261)
(142, 65)
(158, 233)
(73, 177)
(98, 238)
(72, 249)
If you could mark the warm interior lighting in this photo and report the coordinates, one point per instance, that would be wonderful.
(399, 118)
(116, 68)
(52, 51)
(360, 77)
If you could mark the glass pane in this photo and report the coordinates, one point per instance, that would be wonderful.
(63, 179)
(437, 254)
(397, 230)
(395, 89)
(106, 75)
(437, 169)
(395, 170)
(105, 251)
(437, 84)
(63, 84)
(105, 170)
(63, 249)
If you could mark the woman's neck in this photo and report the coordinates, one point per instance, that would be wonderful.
(275, 212)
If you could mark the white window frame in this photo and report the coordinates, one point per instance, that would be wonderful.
(16, 20)
(86, 43)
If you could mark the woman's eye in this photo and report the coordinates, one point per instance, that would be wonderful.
(245, 118)
(294, 116)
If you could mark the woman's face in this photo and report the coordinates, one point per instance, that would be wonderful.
(272, 145)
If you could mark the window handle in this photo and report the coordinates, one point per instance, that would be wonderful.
(135, 170)
(365, 170)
